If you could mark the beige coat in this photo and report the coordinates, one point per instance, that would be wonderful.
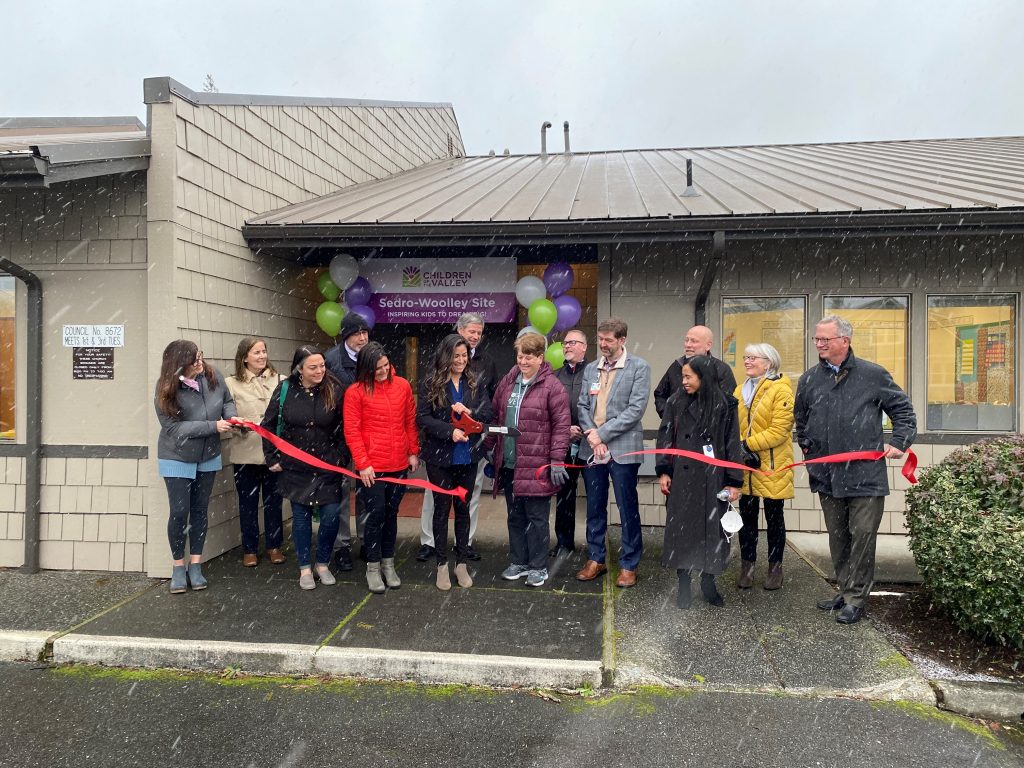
(252, 396)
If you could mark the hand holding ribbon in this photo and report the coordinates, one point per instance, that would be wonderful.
(306, 458)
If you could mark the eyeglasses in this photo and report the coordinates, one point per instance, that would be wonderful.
(573, 341)
(751, 358)
(821, 341)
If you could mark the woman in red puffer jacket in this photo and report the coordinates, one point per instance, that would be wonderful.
(380, 430)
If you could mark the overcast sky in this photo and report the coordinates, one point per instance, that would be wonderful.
(624, 74)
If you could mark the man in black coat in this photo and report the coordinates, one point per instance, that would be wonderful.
(469, 326)
(570, 374)
(839, 407)
(698, 341)
(341, 361)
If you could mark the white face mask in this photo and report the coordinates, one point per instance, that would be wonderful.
(731, 522)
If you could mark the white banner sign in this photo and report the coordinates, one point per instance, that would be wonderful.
(482, 275)
(93, 335)
(440, 290)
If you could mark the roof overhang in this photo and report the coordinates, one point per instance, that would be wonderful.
(292, 237)
(42, 165)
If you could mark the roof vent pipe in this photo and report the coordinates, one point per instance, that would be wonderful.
(565, 130)
(544, 138)
(689, 191)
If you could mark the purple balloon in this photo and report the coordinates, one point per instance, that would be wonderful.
(366, 313)
(569, 312)
(358, 294)
(558, 278)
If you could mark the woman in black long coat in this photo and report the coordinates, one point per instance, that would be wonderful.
(700, 418)
(305, 410)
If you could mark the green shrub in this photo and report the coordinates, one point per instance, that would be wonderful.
(966, 521)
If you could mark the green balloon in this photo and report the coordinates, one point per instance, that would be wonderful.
(543, 315)
(328, 317)
(555, 355)
(327, 288)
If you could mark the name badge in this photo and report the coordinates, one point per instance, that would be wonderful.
(709, 451)
(595, 388)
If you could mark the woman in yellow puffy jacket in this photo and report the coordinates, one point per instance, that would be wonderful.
(766, 430)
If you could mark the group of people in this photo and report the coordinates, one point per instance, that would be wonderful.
(539, 430)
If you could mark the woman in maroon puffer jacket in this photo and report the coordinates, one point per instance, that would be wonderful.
(380, 430)
(533, 400)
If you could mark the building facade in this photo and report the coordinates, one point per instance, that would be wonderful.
(158, 251)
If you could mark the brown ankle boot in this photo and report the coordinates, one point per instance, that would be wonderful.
(774, 578)
(746, 577)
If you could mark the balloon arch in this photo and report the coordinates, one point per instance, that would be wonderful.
(549, 307)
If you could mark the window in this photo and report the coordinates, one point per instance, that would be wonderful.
(972, 363)
(7, 347)
(776, 321)
(880, 326)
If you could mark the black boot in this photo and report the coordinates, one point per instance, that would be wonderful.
(683, 596)
(710, 589)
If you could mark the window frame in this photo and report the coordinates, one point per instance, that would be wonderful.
(907, 346)
(755, 296)
(1015, 297)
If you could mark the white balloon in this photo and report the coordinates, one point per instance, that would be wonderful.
(528, 290)
(529, 329)
(344, 270)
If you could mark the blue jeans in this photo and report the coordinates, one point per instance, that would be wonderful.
(623, 477)
(302, 532)
(250, 479)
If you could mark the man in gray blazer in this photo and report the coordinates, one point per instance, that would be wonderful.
(616, 388)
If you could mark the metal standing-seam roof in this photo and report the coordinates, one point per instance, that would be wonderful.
(761, 181)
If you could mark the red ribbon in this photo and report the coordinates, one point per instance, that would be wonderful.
(306, 458)
(908, 470)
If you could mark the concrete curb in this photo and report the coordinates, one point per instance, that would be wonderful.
(115, 651)
(991, 701)
(21, 646)
(913, 689)
(458, 668)
(285, 659)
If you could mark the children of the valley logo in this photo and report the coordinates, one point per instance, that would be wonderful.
(412, 277)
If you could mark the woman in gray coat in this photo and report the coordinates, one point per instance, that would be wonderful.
(193, 405)
(700, 417)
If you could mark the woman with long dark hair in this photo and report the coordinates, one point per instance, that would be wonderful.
(305, 410)
(193, 405)
(251, 387)
(700, 418)
(380, 429)
(450, 454)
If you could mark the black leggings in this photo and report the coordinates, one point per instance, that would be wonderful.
(455, 476)
(775, 522)
(189, 501)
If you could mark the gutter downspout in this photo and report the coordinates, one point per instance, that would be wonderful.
(710, 273)
(34, 412)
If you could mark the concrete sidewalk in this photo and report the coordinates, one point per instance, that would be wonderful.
(566, 634)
